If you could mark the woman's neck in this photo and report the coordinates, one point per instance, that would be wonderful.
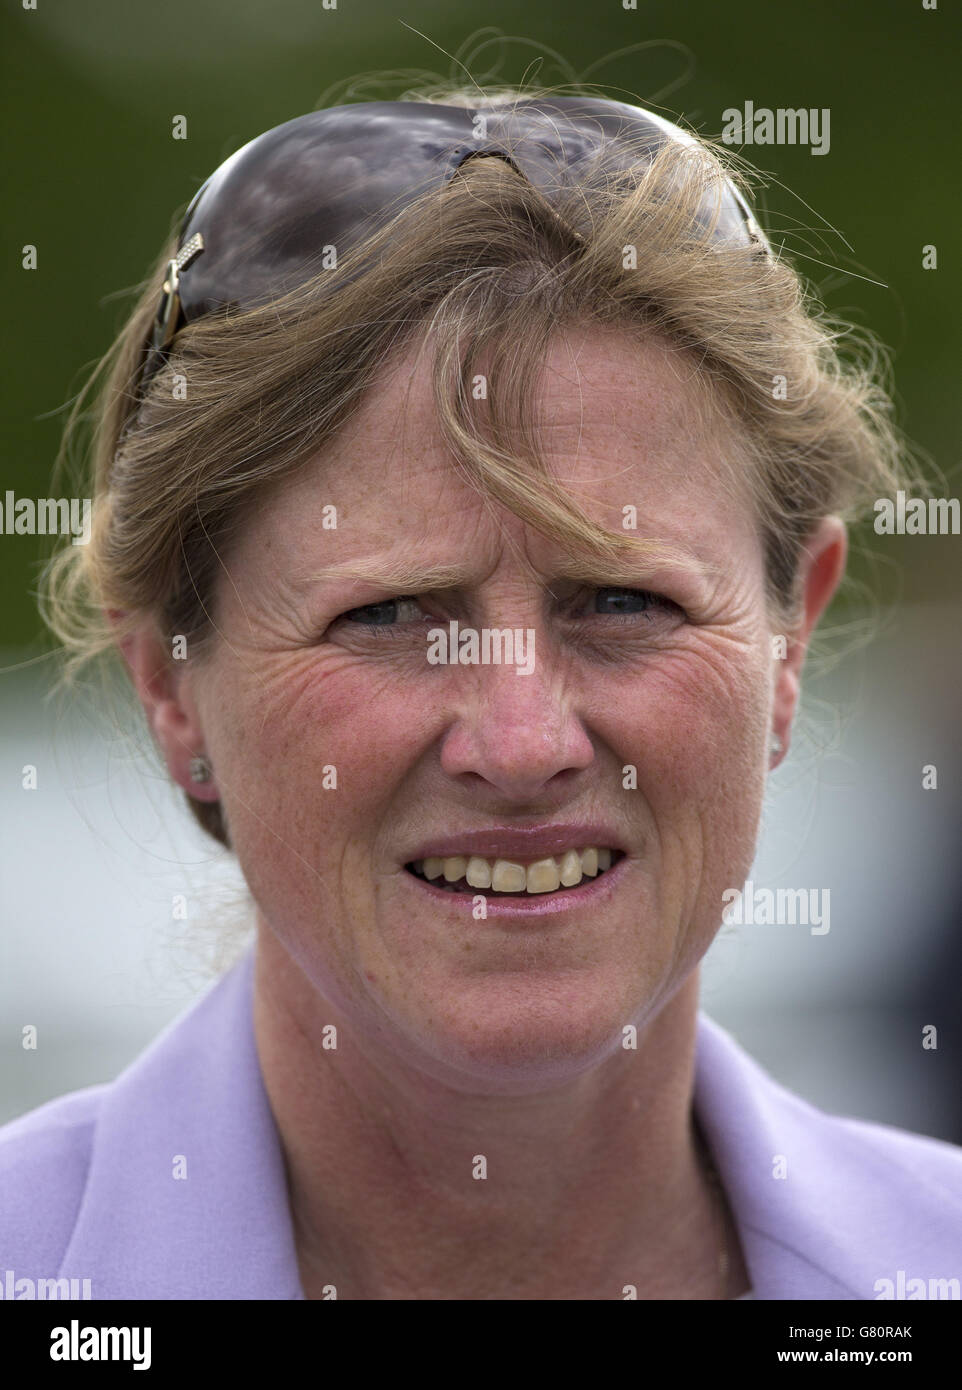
(402, 1187)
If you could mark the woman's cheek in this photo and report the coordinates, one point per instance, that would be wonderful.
(294, 736)
(715, 784)
(691, 721)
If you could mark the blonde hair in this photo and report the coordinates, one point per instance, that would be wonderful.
(493, 270)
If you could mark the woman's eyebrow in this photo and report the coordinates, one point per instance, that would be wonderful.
(401, 574)
(662, 558)
(406, 576)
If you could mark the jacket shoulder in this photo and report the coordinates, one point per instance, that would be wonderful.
(931, 1168)
(44, 1160)
(878, 1152)
(828, 1206)
(893, 1197)
(874, 1151)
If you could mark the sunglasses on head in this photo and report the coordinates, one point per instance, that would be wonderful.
(259, 225)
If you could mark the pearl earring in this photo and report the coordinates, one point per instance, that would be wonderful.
(776, 747)
(200, 769)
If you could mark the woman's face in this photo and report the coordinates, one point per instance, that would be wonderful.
(313, 679)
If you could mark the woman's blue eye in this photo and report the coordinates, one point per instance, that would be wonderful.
(608, 602)
(626, 601)
(378, 614)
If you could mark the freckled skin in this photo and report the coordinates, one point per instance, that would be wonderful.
(456, 1037)
(419, 747)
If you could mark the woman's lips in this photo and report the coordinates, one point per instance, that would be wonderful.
(504, 875)
(590, 890)
(514, 842)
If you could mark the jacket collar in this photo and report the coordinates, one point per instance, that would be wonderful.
(779, 1180)
(186, 1195)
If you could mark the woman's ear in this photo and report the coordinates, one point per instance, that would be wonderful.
(821, 567)
(163, 683)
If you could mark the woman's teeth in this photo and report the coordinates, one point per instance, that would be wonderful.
(508, 876)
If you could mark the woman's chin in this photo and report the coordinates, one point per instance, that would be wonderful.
(525, 1032)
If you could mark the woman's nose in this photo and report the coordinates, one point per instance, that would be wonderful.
(515, 731)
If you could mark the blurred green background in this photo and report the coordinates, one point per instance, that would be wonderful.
(93, 177)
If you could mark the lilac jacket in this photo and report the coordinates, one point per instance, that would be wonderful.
(87, 1185)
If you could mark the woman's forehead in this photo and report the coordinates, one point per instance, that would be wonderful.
(618, 438)
(598, 387)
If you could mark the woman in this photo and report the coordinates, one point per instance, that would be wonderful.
(420, 388)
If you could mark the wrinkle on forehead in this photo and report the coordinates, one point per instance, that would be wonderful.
(618, 426)
(602, 366)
